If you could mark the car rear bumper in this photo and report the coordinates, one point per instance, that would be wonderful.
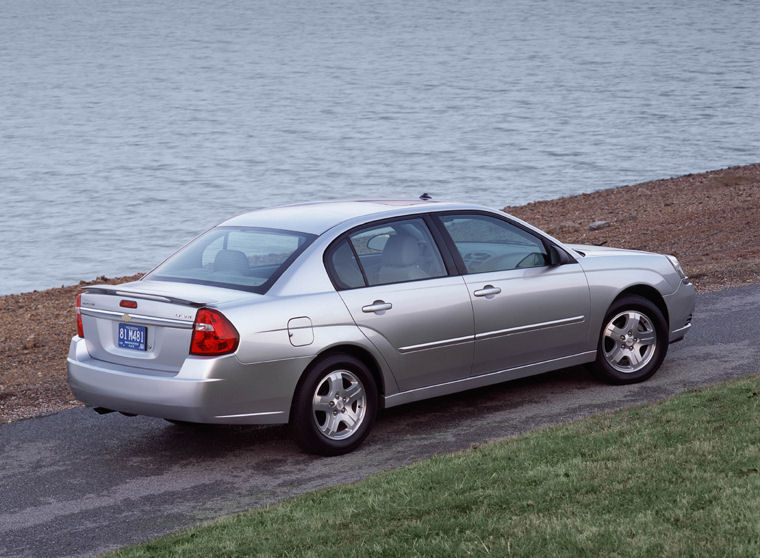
(680, 309)
(205, 390)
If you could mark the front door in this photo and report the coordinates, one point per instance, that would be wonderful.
(525, 310)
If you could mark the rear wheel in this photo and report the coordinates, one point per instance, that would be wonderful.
(335, 406)
(633, 341)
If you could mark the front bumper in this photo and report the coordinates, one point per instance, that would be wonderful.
(680, 309)
(218, 390)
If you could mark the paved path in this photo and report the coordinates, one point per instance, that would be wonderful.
(77, 483)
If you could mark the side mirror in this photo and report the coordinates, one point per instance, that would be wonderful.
(556, 257)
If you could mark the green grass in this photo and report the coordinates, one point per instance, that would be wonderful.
(681, 477)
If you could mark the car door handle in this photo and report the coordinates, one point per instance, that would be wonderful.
(488, 290)
(377, 306)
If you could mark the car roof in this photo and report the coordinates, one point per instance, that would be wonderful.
(318, 217)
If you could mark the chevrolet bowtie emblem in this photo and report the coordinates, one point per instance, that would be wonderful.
(126, 317)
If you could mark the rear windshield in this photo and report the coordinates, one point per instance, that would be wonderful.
(245, 258)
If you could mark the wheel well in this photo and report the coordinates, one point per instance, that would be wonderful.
(357, 352)
(651, 294)
(362, 354)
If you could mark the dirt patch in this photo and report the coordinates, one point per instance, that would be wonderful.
(710, 221)
(35, 331)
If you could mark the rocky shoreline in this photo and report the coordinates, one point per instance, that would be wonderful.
(710, 221)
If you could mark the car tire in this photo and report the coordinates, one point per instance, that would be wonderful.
(632, 343)
(334, 406)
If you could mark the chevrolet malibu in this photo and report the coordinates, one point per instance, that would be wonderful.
(321, 314)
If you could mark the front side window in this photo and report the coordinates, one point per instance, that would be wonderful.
(490, 244)
(389, 253)
(246, 258)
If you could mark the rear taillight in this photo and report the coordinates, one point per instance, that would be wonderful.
(213, 334)
(80, 327)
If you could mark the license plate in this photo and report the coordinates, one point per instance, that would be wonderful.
(132, 336)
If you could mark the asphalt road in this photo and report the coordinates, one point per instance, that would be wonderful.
(77, 483)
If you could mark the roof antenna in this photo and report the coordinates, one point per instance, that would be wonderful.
(426, 197)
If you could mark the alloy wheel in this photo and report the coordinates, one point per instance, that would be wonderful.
(339, 405)
(629, 341)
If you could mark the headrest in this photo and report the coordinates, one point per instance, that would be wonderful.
(401, 250)
(233, 261)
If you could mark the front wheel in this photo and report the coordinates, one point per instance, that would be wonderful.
(335, 406)
(633, 341)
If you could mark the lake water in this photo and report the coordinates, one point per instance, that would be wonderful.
(128, 127)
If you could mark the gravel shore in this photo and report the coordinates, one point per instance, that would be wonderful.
(710, 221)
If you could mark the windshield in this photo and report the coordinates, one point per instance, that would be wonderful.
(245, 258)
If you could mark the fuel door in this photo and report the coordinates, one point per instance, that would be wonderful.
(300, 331)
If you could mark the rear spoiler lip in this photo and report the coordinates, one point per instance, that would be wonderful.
(146, 296)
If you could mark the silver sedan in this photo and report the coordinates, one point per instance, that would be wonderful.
(319, 315)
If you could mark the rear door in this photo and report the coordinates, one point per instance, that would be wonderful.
(526, 311)
(393, 279)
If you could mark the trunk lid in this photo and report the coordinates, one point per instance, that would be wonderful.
(154, 329)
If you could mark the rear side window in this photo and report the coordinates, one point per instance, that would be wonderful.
(246, 258)
(392, 252)
(345, 269)
(491, 244)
